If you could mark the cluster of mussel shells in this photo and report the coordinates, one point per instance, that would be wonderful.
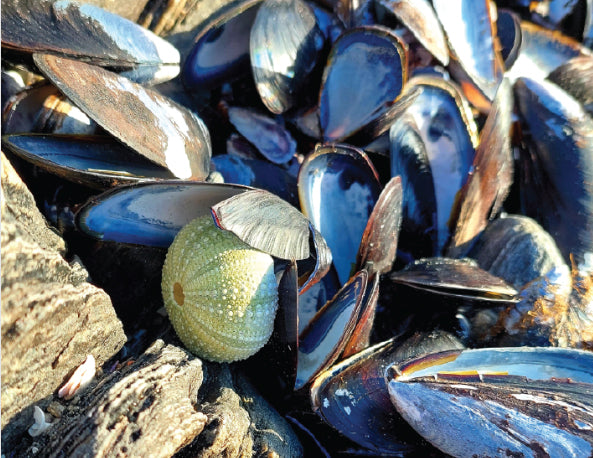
(420, 171)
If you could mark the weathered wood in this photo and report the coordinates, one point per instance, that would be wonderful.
(51, 317)
(144, 409)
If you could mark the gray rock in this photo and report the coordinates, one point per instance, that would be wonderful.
(51, 317)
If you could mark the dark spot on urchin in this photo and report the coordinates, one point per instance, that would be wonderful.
(178, 293)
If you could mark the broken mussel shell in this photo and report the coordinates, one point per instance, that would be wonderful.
(499, 401)
(87, 33)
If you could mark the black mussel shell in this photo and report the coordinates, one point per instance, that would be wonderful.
(516, 249)
(150, 213)
(154, 126)
(338, 180)
(558, 166)
(258, 174)
(575, 77)
(221, 50)
(267, 134)
(324, 338)
(365, 74)
(432, 149)
(378, 246)
(471, 35)
(42, 108)
(542, 51)
(499, 402)
(351, 396)
(285, 46)
(90, 34)
(490, 179)
(508, 26)
(419, 17)
(461, 278)
(95, 161)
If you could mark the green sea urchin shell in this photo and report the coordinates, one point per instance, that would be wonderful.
(220, 293)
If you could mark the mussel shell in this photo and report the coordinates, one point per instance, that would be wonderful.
(257, 174)
(96, 161)
(432, 148)
(154, 126)
(267, 223)
(333, 181)
(455, 278)
(285, 45)
(221, 50)
(324, 338)
(365, 73)
(42, 108)
(470, 33)
(559, 166)
(575, 78)
(88, 33)
(351, 396)
(268, 135)
(542, 51)
(419, 17)
(150, 213)
(378, 246)
(499, 402)
(490, 179)
(516, 249)
(508, 26)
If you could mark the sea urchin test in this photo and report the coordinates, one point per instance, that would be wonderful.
(220, 293)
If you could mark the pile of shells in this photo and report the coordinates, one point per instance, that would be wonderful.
(417, 174)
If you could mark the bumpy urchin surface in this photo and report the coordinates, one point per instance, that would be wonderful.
(220, 294)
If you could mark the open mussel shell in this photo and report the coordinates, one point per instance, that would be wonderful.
(489, 182)
(542, 51)
(516, 249)
(96, 161)
(221, 50)
(283, 57)
(88, 33)
(419, 17)
(154, 126)
(267, 134)
(558, 167)
(337, 180)
(324, 338)
(351, 395)
(575, 77)
(432, 149)
(378, 246)
(460, 278)
(499, 402)
(42, 108)
(372, 60)
(470, 32)
(150, 213)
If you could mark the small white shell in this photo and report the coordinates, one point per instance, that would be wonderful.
(40, 425)
(82, 377)
(220, 293)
